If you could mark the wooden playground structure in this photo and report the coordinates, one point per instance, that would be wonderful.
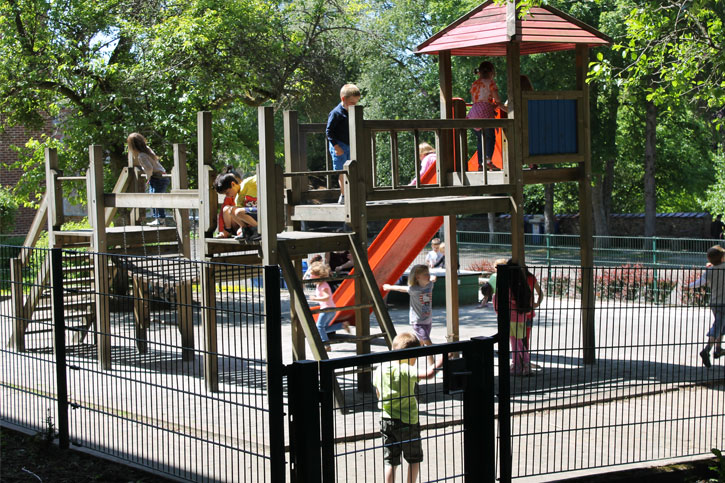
(535, 132)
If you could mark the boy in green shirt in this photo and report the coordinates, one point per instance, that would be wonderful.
(395, 385)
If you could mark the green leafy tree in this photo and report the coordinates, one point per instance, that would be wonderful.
(106, 68)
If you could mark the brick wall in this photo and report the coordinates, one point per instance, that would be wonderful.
(18, 136)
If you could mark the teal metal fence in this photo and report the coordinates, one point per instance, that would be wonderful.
(477, 248)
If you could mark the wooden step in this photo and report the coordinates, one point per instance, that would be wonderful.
(318, 310)
(349, 338)
(72, 315)
(81, 268)
(67, 304)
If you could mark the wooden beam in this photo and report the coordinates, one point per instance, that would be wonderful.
(180, 181)
(555, 175)
(269, 207)
(182, 199)
(36, 227)
(398, 125)
(360, 256)
(54, 194)
(97, 218)
(207, 195)
(437, 207)
(452, 302)
(586, 225)
(444, 143)
(513, 169)
(122, 184)
(425, 191)
(209, 327)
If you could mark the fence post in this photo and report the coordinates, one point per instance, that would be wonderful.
(304, 427)
(548, 251)
(503, 284)
(56, 273)
(654, 266)
(273, 331)
(478, 412)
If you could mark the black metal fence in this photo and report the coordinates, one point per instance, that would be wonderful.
(349, 426)
(168, 364)
(176, 366)
(644, 393)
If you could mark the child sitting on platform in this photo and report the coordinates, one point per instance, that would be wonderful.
(237, 219)
(323, 295)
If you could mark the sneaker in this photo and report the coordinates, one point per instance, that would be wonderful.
(705, 356)
(718, 353)
(156, 222)
(251, 234)
(341, 200)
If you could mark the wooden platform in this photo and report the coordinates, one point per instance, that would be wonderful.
(407, 208)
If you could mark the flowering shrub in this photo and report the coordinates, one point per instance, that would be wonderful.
(483, 265)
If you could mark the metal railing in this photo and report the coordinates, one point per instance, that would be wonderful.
(644, 396)
(146, 368)
(554, 249)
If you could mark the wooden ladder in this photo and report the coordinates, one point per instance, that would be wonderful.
(365, 280)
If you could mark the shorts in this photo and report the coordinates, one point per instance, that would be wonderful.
(251, 211)
(718, 327)
(338, 161)
(422, 331)
(399, 437)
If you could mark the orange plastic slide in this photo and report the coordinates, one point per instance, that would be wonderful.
(392, 251)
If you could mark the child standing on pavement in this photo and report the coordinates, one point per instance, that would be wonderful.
(485, 99)
(714, 277)
(323, 295)
(434, 256)
(521, 302)
(420, 290)
(338, 132)
(400, 428)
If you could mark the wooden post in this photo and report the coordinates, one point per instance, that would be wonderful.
(17, 341)
(445, 138)
(97, 217)
(294, 162)
(54, 194)
(180, 181)
(452, 302)
(586, 229)
(360, 148)
(208, 199)
(208, 322)
(269, 213)
(513, 169)
(460, 140)
(185, 316)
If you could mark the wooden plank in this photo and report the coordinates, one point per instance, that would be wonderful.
(147, 236)
(122, 184)
(182, 199)
(303, 310)
(453, 189)
(238, 259)
(293, 164)
(180, 181)
(496, 180)
(209, 328)
(452, 303)
(312, 128)
(36, 227)
(207, 196)
(553, 158)
(397, 125)
(297, 333)
(327, 212)
(554, 175)
(437, 207)
(354, 208)
(326, 243)
(394, 160)
(360, 256)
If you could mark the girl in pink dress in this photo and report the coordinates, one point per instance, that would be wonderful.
(323, 295)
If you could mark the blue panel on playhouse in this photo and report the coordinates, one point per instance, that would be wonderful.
(552, 127)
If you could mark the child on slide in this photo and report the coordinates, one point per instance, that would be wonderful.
(485, 98)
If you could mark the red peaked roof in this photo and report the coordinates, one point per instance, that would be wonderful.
(484, 31)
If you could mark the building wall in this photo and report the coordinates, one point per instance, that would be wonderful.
(18, 136)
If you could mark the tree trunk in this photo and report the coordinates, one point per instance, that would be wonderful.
(650, 156)
(549, 221)
(601, 224)
(492, 222)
